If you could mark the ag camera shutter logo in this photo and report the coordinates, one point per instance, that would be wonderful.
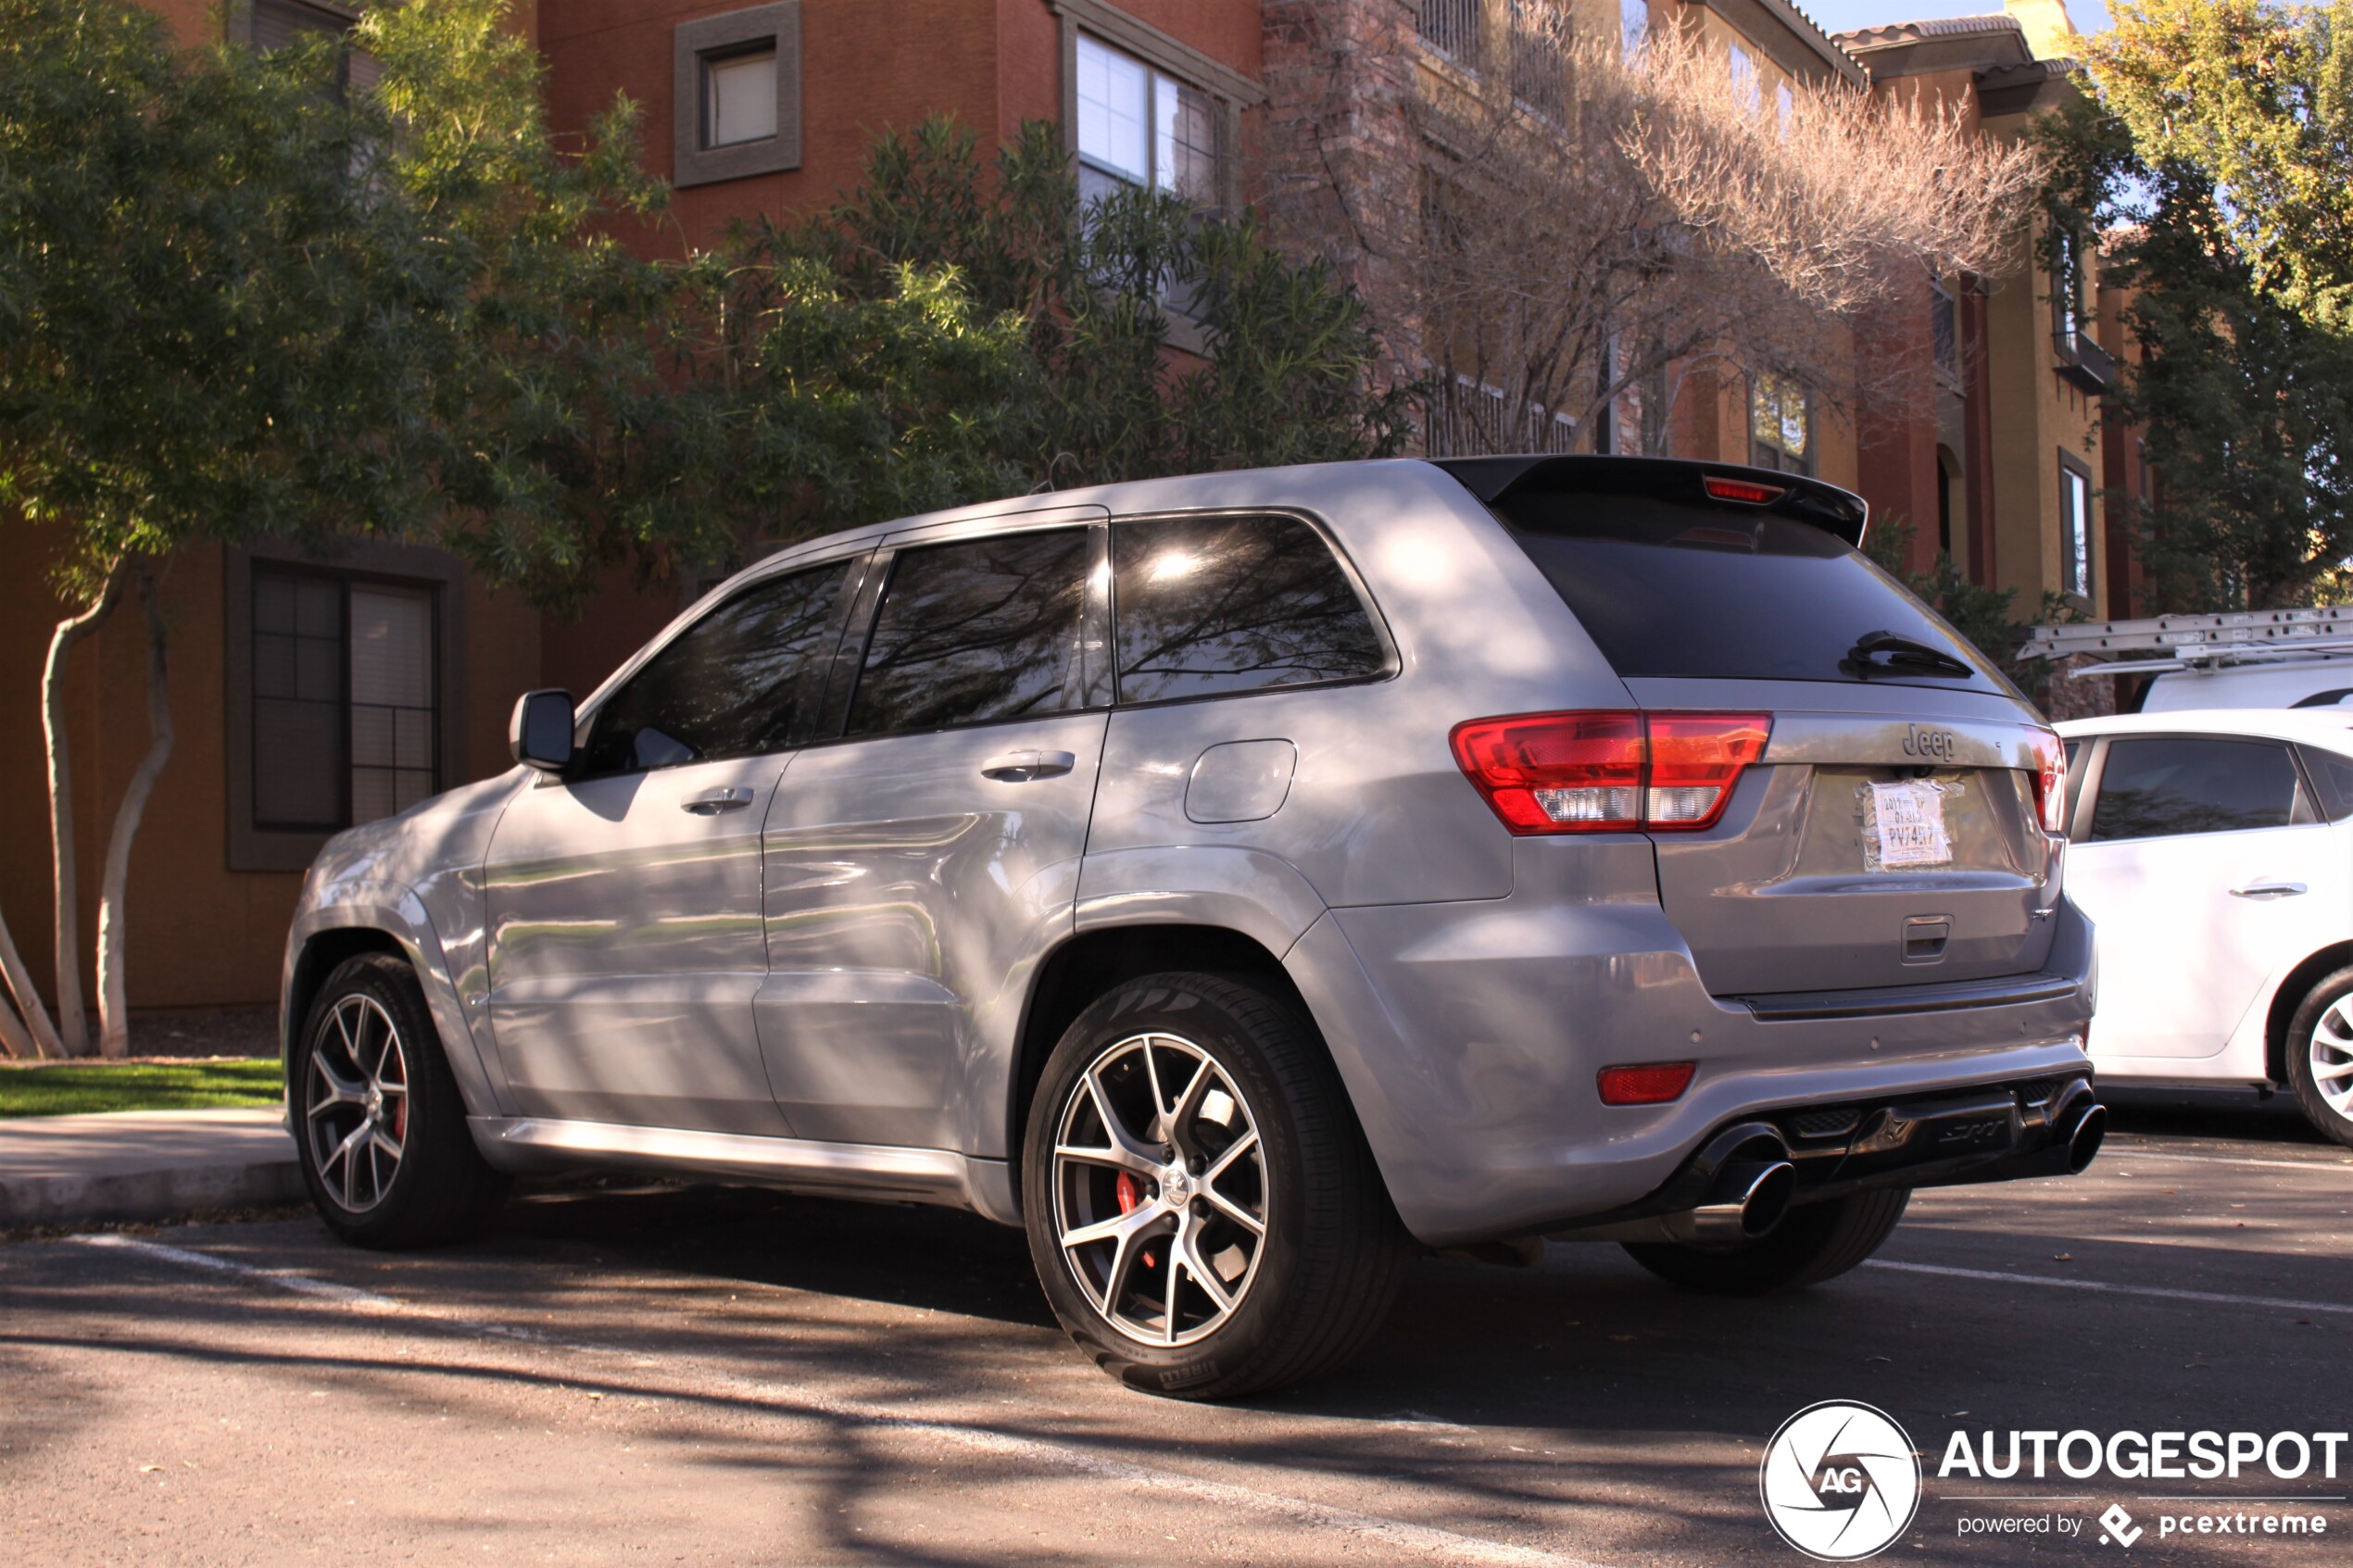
(1840, 1481)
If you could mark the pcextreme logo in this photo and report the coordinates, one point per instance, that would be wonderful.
(1840, 1481)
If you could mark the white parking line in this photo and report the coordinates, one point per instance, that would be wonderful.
(2105, 1289)
(1420, 1539)
(2131, 1152)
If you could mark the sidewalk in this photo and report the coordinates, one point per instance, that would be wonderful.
(143, 1165)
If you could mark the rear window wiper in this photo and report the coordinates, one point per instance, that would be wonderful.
(1903, 654)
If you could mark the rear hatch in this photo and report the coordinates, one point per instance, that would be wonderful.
(1890, 835)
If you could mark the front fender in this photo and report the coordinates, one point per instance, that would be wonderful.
(395, 910)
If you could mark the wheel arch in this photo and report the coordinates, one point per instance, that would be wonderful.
(2289, 996)
(321, 954)
(1092, 961)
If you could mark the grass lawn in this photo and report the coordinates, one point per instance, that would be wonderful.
(75, 1087)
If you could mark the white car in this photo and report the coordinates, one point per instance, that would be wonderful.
(2214, 852)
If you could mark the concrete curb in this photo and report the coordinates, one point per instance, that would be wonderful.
(143, 1165)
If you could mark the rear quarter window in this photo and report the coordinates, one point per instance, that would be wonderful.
(1670, 588)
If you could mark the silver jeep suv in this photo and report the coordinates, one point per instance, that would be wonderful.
(1242, 882)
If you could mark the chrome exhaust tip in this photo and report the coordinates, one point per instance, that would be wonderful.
(2085, 1141)
(1745, 1201)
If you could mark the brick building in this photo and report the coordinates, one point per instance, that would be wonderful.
(308, 694)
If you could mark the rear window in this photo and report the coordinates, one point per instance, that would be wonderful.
(1670, 588)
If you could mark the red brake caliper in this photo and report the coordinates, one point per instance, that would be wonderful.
(1130, 1193)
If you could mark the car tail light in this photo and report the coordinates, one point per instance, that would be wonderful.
(1695, 760)
(1651, 1084)
(1746, 490)
(1609, 771)
(1557, 772)
(2050, 780)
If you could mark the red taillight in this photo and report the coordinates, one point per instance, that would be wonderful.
(2050, 780)
(1695, 760)
(1746, 490)
(1653, 1084)
(1609, 771)
(1557, 772)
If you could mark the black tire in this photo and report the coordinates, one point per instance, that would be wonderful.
(437, 1187)
(1814, 1242)
(2302, 1027)
(1319, 1280)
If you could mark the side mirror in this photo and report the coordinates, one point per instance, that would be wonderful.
(540, 732)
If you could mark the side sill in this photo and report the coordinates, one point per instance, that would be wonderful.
(2007, 991)
(875, 1172)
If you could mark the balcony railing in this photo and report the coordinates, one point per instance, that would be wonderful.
(1451, 27)
(2082, 361)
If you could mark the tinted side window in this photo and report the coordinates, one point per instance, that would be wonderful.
(2334, 772)
(1233, 603)
(2154, 787)
(978, 630)
(739, 683)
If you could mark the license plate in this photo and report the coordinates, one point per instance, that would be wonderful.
(1904, 826)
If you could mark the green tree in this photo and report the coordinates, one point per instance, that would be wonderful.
(237, 300)
(1285, 368)
(2244, 401)
(2252, 102)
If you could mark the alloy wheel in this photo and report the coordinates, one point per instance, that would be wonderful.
(356, 1106)
(1161, 1190)
(2331, 1055)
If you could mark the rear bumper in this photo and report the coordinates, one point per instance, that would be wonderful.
(1469, 1036)
(1999, 1132)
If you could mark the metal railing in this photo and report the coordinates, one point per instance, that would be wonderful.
(1451, 27)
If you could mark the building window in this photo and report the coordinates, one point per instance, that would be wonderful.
(1785, 106)
(1781, 425)
(1943, 330)
(1451, 27)
(1747, 92)
(1943, 501)
(735, 94)
(2075, 527)
(1633, 27)
(1138, 126)
(2065, 283)
(276, 24)
(739, 98)
(345, 718)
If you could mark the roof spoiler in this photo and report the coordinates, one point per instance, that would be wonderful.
(1495, 480)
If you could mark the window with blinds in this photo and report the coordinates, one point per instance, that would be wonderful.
(346, 700)
(277, 23)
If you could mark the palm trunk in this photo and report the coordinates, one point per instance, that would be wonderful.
(114, 1011)
(73, 1028)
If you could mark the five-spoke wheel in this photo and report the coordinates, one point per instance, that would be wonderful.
(357, 1101)
(378, 1120)
(1160, 1189)
(1204, 1215)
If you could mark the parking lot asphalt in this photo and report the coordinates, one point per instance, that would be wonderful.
(661, 1374)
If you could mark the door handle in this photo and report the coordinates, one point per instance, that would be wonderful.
(2269, 890)
(1020, 767)
(710, 802)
